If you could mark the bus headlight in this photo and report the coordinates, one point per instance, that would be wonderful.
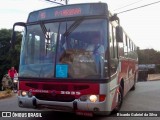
(23, 93)
(93, 98)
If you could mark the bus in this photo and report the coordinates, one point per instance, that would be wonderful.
(62, 69)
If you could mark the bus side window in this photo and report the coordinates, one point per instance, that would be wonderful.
(120, 49)
(125, 46)
(111, 42)
(131, 53)
(132, 50)
(113, 51)
(128, 45)
(115, 43)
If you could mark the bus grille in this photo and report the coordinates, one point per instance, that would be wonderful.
(32, 85)
(58, 97)
(64, 87)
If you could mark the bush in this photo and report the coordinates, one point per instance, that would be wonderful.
(158, 68)
(8, 91)
(151, 71)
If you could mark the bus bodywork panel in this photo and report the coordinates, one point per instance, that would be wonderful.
(64, 96)
(127, 72)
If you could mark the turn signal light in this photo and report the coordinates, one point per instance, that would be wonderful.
(102, 98)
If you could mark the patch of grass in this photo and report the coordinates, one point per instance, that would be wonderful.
(5, 93)
(8, 91)
(2, 94)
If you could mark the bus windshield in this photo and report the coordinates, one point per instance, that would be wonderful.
(68, 49)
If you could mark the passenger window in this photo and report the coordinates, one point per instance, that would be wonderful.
(125, 46)
(113, 51)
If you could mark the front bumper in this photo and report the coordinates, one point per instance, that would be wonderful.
(33, 102)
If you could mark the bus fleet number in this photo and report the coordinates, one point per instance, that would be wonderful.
(70, 93)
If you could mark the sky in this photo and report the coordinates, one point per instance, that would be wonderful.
(142, 25)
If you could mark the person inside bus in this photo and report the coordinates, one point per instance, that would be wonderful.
(76, 44)
(96, 46)
(97, 50)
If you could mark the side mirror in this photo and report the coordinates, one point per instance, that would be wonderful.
(119, 34)
(13, 39)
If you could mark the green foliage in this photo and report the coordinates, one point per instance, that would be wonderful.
(158, 68)
(149, 56)
(8, 91)
(8, 57)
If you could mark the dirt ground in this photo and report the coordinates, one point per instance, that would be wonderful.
(153, 77)
(4, 94)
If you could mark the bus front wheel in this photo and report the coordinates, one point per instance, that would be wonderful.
(120, 101)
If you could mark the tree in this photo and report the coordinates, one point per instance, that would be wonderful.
(149, 56)
(8, 57)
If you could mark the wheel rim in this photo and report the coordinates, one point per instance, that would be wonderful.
(119, 100)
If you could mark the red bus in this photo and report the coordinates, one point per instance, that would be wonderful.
(75, 58)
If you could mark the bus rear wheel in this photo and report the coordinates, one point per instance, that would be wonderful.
(134, 85)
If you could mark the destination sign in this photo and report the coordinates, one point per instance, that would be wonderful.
(68, 11)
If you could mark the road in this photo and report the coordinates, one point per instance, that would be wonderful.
(146, 97)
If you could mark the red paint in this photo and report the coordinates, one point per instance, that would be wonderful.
(126, 67)
(83, 88)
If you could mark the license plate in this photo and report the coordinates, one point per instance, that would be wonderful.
(84, 113)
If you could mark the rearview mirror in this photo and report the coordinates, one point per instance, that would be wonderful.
(13, 39)
(119, 34)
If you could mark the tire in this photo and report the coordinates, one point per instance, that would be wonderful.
(120, 101)
(134, 85)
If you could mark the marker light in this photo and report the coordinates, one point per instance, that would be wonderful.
(83, 98)
(102, 98)
(93, 98)
(24, 93)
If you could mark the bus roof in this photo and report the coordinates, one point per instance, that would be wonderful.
(66, 11)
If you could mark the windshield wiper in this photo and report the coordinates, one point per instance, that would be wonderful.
(46, 34)
(73, 26)
(44, 30)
